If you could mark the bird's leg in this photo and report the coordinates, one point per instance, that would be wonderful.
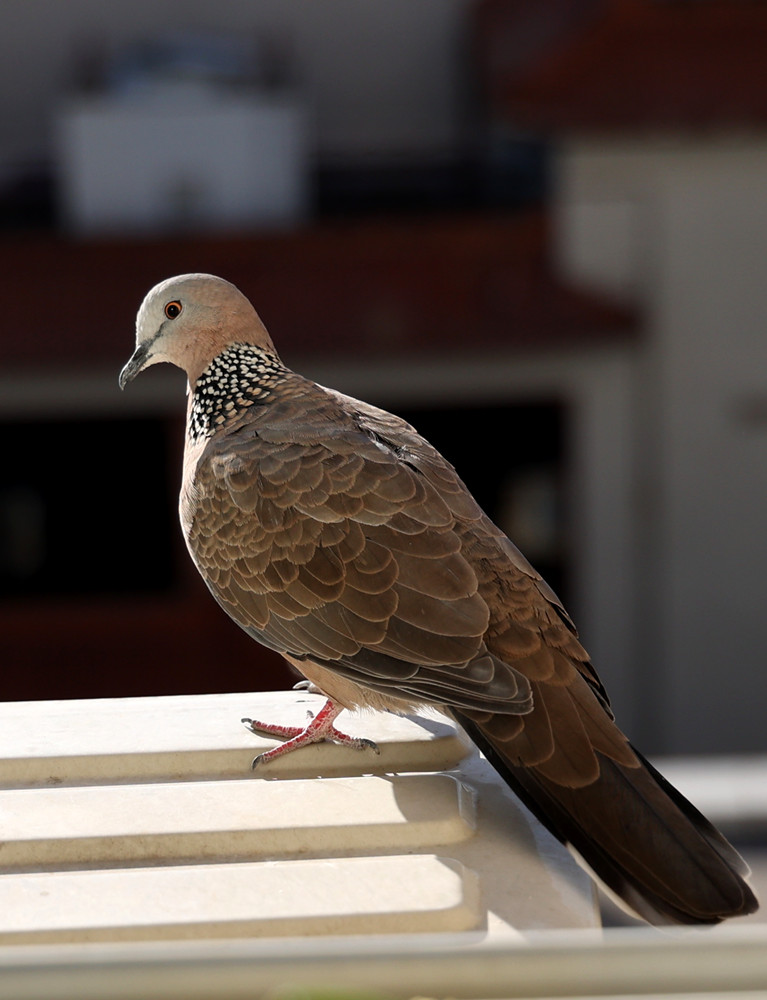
(319, 728)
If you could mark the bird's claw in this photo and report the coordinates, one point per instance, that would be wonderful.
(319, 729)
(283, 732)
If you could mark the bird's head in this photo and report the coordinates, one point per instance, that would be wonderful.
(188, 321)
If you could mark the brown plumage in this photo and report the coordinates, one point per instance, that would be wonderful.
(333, 533)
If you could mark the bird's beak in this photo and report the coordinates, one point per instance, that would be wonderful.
(134, 366)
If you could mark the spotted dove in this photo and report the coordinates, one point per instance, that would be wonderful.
(333, 533)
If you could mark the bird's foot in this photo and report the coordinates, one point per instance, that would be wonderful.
(319, 728)
(306, 686)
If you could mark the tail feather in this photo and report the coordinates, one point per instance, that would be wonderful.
(638, 834)
(707, 830)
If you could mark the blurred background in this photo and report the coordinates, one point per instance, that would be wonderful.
(537, 230)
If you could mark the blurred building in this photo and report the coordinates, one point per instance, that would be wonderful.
(659, 117)
(537, 237)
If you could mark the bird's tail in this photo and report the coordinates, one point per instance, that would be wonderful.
(635, 831)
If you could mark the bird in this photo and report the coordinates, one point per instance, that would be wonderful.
(333, 533)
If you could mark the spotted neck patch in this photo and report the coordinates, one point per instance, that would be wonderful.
(240, 377)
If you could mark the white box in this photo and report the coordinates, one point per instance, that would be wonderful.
(185, 159)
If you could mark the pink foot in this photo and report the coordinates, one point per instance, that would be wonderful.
(319, 728)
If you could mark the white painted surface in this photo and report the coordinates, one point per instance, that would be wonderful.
(134, 740)
(474, 919)
(171, 836)
(400, 894)
(225, 820)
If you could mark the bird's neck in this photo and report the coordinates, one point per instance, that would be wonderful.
(241, 376)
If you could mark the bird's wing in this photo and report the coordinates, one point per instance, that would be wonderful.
(332, 532)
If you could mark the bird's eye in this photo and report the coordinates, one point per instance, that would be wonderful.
(173, 309)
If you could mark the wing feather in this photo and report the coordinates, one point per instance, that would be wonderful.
(336, 534)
